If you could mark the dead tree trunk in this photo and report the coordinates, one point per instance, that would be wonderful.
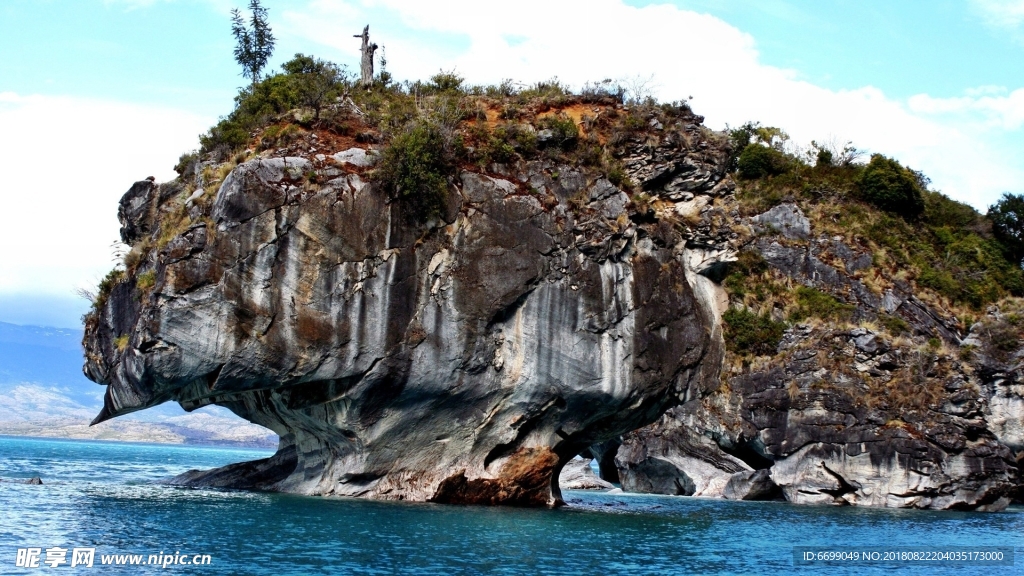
(366, 66)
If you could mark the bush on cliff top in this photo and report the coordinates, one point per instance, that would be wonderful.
(304, 81)
(892, 187)
(760, 161)
(415, 167)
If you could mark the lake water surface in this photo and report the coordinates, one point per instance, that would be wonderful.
(104, 496)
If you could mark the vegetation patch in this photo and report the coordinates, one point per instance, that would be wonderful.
(750, 333)
(814, 302)
(760, 161)
(894, 324)
(280, 135)
(416, 165)
(564, 132)
(146, 281)
(917, 385)
(954, 254)
(886, 184)
(1007, 216)
(304, 82)
(107, 284)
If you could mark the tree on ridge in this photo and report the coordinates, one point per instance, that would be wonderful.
(255, 43)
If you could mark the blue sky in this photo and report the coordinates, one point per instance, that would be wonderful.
(179, 52)
(95, 94)
(903, 47)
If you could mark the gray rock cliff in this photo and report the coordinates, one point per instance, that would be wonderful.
(543, 312)
(463, 359)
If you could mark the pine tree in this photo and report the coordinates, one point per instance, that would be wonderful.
(255, 42)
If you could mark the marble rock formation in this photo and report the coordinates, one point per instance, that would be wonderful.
(578, 475)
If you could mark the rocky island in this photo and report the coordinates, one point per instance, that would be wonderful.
(445, 293)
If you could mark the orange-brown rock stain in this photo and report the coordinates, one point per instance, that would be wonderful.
(524, 480)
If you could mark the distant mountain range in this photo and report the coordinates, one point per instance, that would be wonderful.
(43, 393)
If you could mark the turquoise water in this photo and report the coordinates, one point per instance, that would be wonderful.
(104, 495)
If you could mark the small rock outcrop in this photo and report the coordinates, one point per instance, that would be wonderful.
(577, 474)
(464, 357)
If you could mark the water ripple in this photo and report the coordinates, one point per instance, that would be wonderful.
(107, 495)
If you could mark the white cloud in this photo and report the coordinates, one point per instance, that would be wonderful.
(982, 105)
(66, 162)
(987, 90)
(688, 54)
(1001, 13)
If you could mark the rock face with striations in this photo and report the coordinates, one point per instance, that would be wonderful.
(847, 415)
(546, 313)
(464, 359)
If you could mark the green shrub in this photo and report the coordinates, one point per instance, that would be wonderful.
(967, 353)
(499, 151)
(749, 333)
(894, 324)
(760, 161)
(316, 82)
(948, 248)
(522, 139)
(564, 131)
(814, 302)
(1003, 336)
(551, 89)
(254, 106)
(445, 81)
(107, 284)
(1007, 216)
(305, 81)
(589, 153)
(186, 162)
(739, 139)
(886, 184)
(633, 122)
(617, 176)
(750, 263)
(938, 280)
(963, 266)
(744, 272)
(506, 89)
(824, 158)
(940, 210)
(415, 167)
(146, 280)
(280, 135)
(606, 88)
